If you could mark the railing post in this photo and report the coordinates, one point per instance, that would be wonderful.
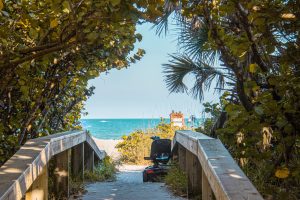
(61, 175)
(97, 161)
(39, 188)
(194, 171)
(206, 189)
(77, 161)
(88, 157)
(181, 157)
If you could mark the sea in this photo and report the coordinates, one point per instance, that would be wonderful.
(116, 128)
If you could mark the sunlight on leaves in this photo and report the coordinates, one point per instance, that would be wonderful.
(288, 16)
(282, 173)
(115, 2)
(66, 6)
(253, 68)
(53, 23)
(1, 5)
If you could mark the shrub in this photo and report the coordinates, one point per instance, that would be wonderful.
(76, 187)
(177, 180)
(105, 171)
(134, 147)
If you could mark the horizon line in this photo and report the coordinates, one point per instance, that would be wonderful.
(139, 118)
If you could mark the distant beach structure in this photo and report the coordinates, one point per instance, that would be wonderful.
(177, 119)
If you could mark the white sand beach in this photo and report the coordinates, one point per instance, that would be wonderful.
(108, 146)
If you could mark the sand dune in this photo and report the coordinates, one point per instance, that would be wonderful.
(108, 146)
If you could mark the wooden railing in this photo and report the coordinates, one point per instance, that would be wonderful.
(26, 173)
(212, 172)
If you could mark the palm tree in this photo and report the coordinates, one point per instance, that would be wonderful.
(196, 60)
(181, 65)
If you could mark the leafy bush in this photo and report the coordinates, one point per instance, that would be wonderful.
(105, 171)
(76, 187)
(45, 65)
(134, 147)
(177, 180)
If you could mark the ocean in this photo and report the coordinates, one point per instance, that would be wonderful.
(116, 128)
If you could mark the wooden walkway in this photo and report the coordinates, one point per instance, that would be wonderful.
(128, 186)
(211, 171)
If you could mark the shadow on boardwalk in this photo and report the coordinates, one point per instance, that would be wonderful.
(128, 186)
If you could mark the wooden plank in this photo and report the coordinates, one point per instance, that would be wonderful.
(77, 162)
(20, 171)
(61, 175)
(188, 169)
(100, 154)
(181, 157)
(194, 171)
(206, 189)
(189, 139)
(88, 157)
(39, 188)
(223, 174)
(226, 178)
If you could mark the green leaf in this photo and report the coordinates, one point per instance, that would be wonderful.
(253, 68)
(92, 36)
(1, 5)
(25, 91)
(259, 110)
(115, 2)
(66, 7)
(53, 23)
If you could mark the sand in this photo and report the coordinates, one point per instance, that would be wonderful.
(108, 146)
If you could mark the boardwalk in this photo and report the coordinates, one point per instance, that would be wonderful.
(128, 186)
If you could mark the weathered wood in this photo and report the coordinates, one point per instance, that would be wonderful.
(181, 157)
(188, 168)
(194, 171)
(189, 139)
(206, 189)
(77, 162)
(197, 176)
(100, 154)
(61, 175)
(20, 171)
(224, 176)
(39, 188)
(88, 157)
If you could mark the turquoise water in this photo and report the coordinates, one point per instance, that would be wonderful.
(116, 128)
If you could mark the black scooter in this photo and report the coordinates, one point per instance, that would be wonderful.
(160, 156)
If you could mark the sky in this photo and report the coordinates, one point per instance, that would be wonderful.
(140, 91)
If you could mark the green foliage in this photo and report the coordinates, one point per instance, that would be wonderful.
(258, 44)
(76, 187)
(49, 50)
(213, 111)
(105, 171)
(134, 147)
(177, 180)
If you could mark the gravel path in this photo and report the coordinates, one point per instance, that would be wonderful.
(128, 186)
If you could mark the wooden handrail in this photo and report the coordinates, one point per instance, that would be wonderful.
(225, 178)
(23, 168)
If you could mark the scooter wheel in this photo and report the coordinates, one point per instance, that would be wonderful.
(145, 177)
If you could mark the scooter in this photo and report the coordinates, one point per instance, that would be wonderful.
(160, 155)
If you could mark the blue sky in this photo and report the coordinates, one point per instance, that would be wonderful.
(140, 91)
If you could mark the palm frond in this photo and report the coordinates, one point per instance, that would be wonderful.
(182, 65)
(192, 37)
(175, 71)
(162, 24)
